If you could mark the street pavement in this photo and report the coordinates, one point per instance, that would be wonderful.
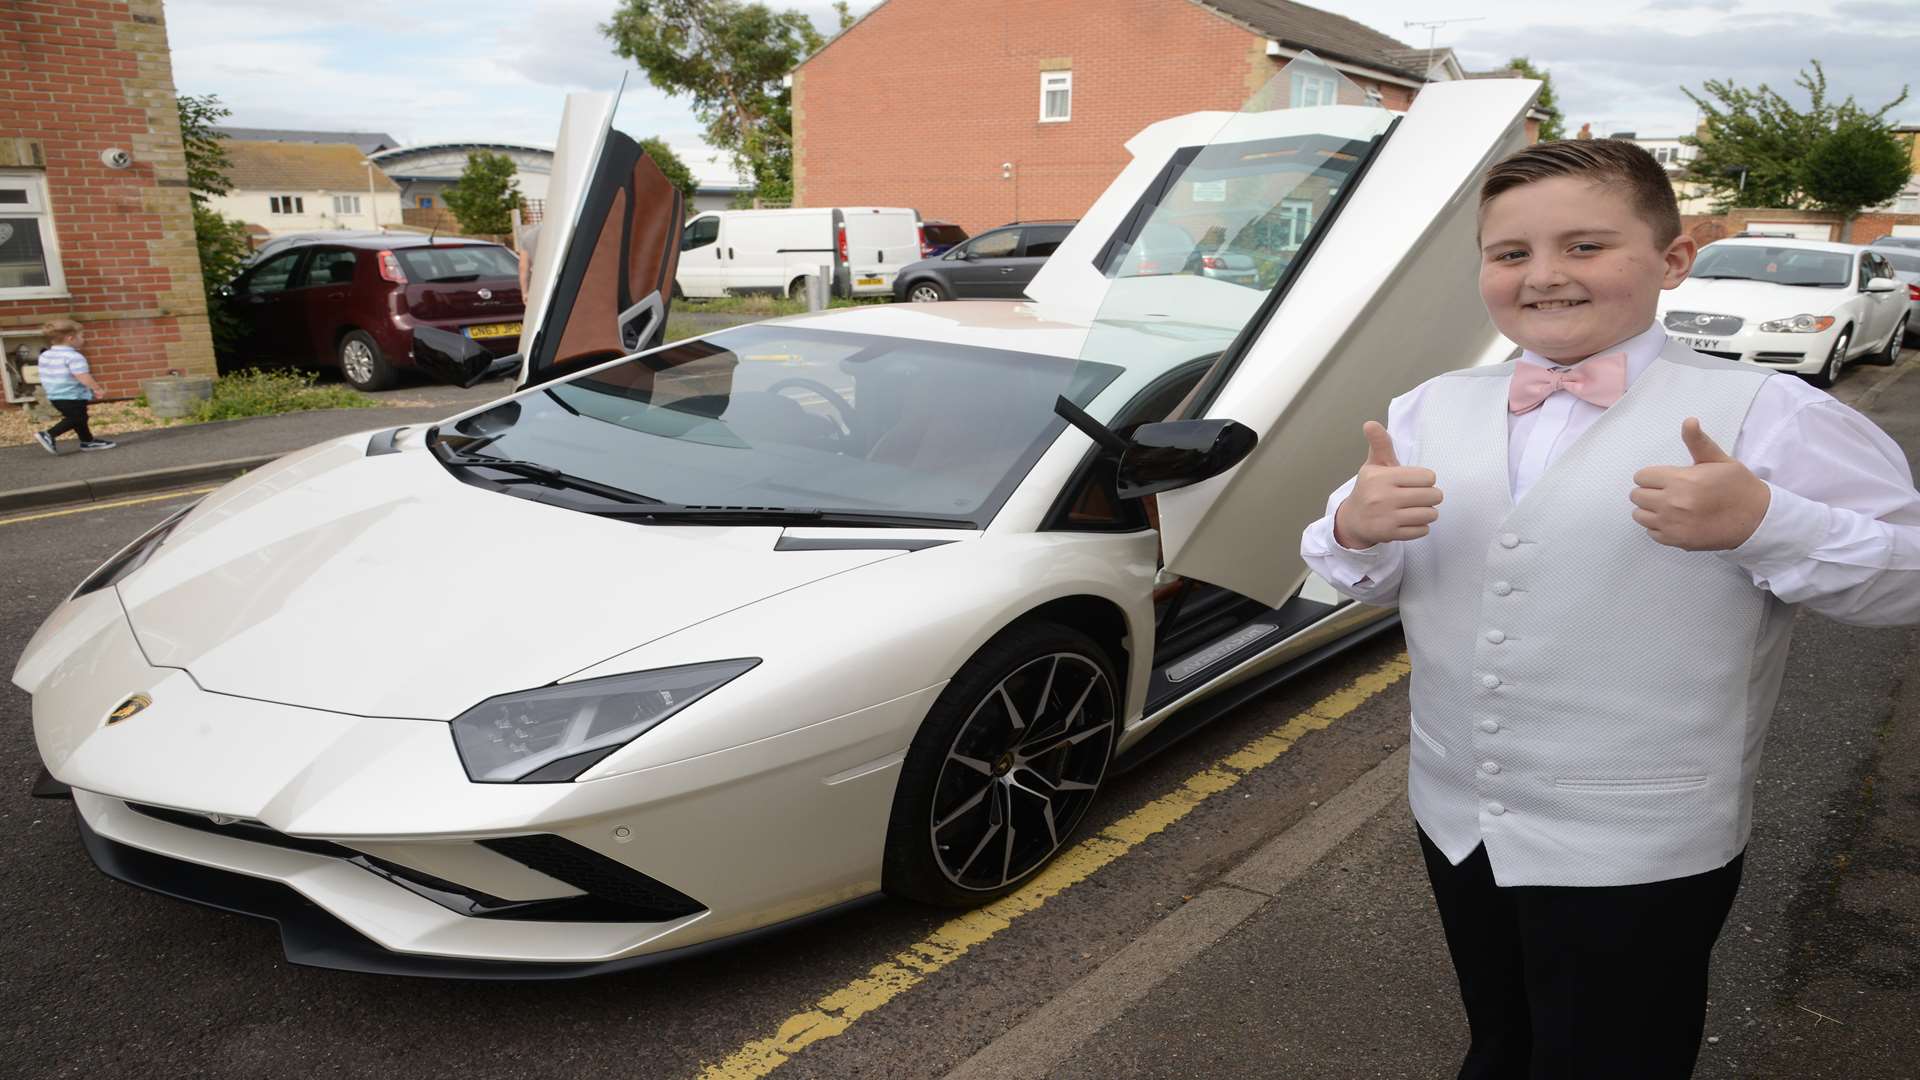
(1273, 923)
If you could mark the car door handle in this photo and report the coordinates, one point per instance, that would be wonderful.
(1006, 269)
(716, 252)
(729, 253)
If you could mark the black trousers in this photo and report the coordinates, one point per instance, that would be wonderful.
(1562, 983)
(73, 417)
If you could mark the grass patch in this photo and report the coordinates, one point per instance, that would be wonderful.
(767, 305)
(264, 393)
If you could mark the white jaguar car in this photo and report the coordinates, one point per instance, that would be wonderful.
(680, 643)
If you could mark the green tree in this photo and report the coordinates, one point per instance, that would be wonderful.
(731, 57)
(671, 166)
(1753, 143)
(1856, 165)
(486, 195)
(220, 242)
(1554, 126)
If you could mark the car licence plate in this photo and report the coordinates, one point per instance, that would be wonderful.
(491, 330)
(1698, 342)
(869, 281)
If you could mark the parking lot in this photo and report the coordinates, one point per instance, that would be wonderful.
(1340, 975)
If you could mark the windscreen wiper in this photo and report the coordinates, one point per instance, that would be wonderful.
(533, 470)
(779, 515)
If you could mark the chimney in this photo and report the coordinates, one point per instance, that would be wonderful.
(1586, 132)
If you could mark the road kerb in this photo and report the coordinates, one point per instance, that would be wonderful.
(1054, 1031)
(108, 487)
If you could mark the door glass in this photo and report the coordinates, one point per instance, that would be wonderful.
(1231, 218)
(699, 233)
(332, 268)
(1043, 240)
(995, 245)
(273, 275)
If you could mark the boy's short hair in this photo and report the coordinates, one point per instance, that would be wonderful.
(1614, 162)
(58, 330)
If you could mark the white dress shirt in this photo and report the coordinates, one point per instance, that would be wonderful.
(1841, 534)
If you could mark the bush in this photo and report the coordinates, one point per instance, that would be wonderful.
(263, 393)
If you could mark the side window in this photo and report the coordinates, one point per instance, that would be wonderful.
(1866, 271)
(273, 275)
(1881, 268)
(1044, 239)
(699, 233)
(331, 268)
(995, 245)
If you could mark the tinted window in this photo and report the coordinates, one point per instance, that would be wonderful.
(995, 245)
(1042, 240)
(945, 234)
(457, 263)
(1903, 262)
(700, 232)
(272, 275)
(331, 268)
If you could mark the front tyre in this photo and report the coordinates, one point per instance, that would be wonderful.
(925, 292)
(362, 363)
(1008, 760)
(1889, 355)
(1836, 362)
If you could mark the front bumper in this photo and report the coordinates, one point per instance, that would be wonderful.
(1801, 353)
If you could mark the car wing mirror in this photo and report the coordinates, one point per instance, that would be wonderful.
(1882, 284)
(457, 359)
(1167, 455)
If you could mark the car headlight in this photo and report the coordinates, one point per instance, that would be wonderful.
(1797, 324)
(555, 733)
(133, 555)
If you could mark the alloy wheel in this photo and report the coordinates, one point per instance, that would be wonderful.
(356, 359)
(1022, 770)
(923, 294)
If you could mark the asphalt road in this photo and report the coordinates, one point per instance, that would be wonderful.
(98, 979)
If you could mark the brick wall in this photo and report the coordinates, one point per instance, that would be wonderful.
(82, 76)
(1706, 228)
(923, 102)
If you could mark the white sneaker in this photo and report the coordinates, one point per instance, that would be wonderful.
(99, 444)
(46, 442)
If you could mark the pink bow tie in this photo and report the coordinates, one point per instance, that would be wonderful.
(1599, 380)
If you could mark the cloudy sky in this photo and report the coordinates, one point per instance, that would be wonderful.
(442, 70)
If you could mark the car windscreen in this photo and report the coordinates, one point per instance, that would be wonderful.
(1776, 265)
(457, 263)
(770, 417)
(1902, 262)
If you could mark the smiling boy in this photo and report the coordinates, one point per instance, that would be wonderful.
(1598, 600)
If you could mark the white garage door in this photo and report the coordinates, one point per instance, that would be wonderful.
(1804, 230)
(1906, 230)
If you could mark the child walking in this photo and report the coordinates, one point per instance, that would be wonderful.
(69, 384)
(1597, 550)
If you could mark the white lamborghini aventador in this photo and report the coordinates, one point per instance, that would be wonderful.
(678, 643)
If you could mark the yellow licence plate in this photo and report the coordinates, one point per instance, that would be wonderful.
(869, 281)
(505, 329)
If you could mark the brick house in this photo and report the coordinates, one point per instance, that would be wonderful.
(1027, 113)
(107, 242)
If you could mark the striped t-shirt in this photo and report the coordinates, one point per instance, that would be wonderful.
(58, 366)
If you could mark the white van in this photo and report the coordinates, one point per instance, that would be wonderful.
(727, 251)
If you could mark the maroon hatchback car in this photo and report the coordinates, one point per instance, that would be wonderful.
(353, 302)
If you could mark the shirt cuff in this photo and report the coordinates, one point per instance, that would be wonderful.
(1792, 528)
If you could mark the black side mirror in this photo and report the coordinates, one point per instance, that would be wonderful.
(1176, 453)
(453, 358)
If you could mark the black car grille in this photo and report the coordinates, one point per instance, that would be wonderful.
(1700, 322)
(614, 892)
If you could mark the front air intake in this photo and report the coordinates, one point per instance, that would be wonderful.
(597, 876)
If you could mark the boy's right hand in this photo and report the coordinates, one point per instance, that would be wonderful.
(1390, 501)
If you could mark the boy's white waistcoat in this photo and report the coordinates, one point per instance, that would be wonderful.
(1588, 703)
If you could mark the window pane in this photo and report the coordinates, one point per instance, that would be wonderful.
(273, 274)
(331, 268)
(1056, 103)
(995, 245)
(458, 263)
(13, 196)
(23, 258)
(700, 233)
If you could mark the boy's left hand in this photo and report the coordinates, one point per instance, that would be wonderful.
(1714, 504)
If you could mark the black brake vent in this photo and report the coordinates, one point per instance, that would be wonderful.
(597, 876)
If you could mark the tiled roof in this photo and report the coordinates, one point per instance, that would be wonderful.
(1330, 36)
(367, 141)
(295, 167)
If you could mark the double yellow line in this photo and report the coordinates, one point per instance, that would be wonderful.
(91, 507)
(837, 1011)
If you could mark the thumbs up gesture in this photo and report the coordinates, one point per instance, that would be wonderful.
(1390, 501)
(1713, 504)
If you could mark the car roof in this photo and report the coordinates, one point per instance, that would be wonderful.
(372, 241)
(1789, 242)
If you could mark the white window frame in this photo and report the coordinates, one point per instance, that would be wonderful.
(286, 204)
(1050, 82)
(1324, 89)
(1298, 213)
(34, 183)
(346, 206)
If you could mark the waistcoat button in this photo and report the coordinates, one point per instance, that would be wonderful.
(1496, 636)
(1501, 588)
(1490, 767)
(1509, 540)
(1496, 809)
(1489, 681)
(1489, 726)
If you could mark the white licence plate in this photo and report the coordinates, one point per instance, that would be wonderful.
(1698, 342)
